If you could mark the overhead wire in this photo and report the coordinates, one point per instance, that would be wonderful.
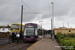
(28, 6)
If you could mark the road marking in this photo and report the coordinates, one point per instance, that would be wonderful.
(34, 44)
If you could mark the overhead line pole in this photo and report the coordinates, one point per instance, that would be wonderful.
(21, 22)
(41, 27)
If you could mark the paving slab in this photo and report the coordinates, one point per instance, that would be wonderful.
(45, 44)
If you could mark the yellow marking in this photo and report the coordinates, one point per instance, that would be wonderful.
(33, 45)
(6, 45)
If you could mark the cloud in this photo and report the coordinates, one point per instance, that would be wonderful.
(10, 11)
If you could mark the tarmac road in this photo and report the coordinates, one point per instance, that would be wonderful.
(4, 41)
(14, 46)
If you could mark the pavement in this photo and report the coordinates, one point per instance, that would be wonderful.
(45, 44)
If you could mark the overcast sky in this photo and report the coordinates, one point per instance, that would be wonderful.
(64, 12)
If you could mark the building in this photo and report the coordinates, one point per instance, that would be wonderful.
(5, 28)
(64, 30)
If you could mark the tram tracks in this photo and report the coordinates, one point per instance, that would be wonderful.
(24, 46)
(15, 46)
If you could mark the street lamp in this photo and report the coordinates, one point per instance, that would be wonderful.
(52, 25)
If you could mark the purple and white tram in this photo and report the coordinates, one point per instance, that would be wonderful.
(31, 32)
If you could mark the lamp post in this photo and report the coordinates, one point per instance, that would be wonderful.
(52, 25)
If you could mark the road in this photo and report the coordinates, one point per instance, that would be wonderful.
(4, 41)
(5, 45)
(15, 46)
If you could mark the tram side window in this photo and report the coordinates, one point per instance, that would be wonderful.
(39, 32)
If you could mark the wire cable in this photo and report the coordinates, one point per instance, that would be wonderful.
(28, 6)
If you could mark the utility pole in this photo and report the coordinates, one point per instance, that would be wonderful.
(51, 28)
(21, 22)
(41, 22)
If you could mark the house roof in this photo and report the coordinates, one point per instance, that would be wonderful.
(5, 26)
(64, 28)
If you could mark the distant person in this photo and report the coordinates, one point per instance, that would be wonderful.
(13, 35)
(17, 36)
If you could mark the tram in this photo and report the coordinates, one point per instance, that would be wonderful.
(16, 29)
(32, 32)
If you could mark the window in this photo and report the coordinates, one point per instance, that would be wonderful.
(15, 26)
(3, 29)
(69, 30)
(29, 31)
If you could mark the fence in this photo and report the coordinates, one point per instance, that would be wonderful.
(2, 34)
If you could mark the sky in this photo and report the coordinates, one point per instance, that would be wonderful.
(64, 12)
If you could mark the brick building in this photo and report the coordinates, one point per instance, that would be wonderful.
(64, 30)
(5, 28)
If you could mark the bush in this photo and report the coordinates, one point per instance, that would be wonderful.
(62, 42)
(58, 36)
(65, 40)
(64, 35)
(73, 34)
(73, 45)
